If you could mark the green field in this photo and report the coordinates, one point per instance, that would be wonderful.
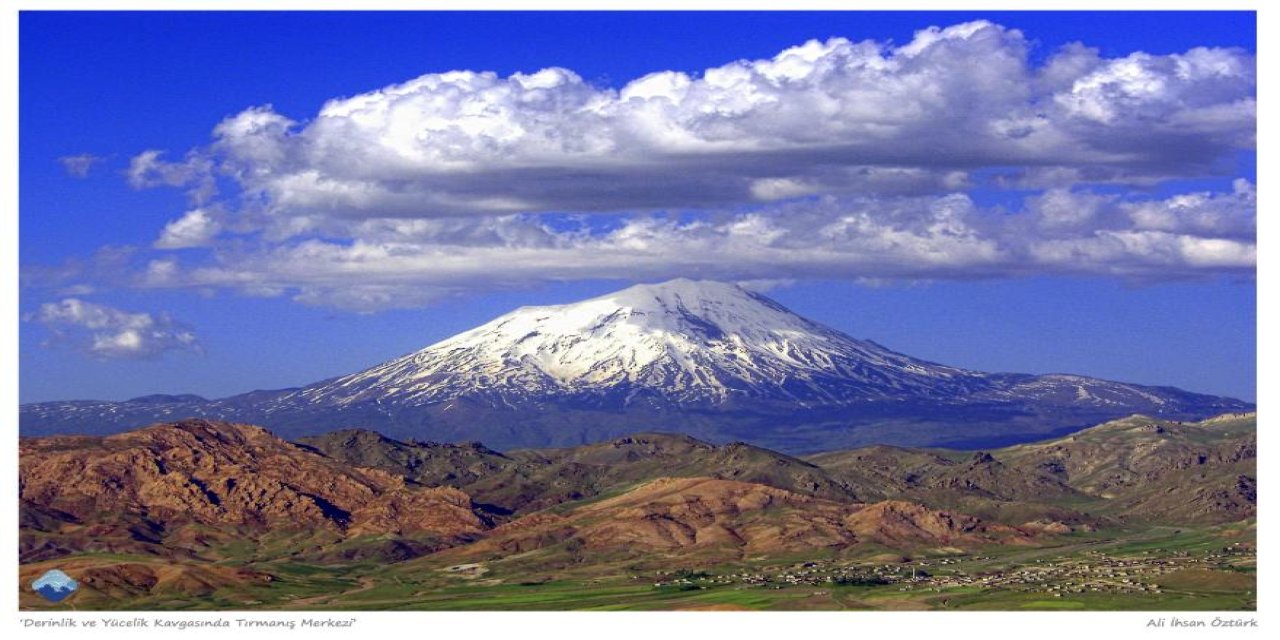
(1198, 575)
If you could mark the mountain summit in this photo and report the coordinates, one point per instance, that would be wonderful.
(681, 342)
(709, 359)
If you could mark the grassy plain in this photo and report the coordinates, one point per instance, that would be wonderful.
(1211, 568)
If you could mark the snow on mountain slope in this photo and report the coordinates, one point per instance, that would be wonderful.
(707, 359)
(684, 340)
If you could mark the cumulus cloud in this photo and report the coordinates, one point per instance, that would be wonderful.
(832, 159)
(834, 116)
(109, 333)
(79, 166)
(406, 263)
(196, 228)
(196, 173)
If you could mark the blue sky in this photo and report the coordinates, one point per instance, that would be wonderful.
(986, 194)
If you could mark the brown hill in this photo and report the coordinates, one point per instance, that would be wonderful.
(151, 486)
(524, 481)
(676, 513)
(203, 507)
(1140, 468)
(895, 523)
(715, 517)
(1135, 469)
(199, 490)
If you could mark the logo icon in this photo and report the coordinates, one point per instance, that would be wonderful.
(55, 585)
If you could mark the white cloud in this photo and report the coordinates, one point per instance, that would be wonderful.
(1145, 253)
(1168, 91)
(77, 290)
(110, 333)
(832, 159)
(834, 116)
(408, 263)
(196, 228)
(1233, 215)
(79, 166)
(1063, 209)
(148, 169)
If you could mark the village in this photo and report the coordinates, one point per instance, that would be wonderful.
(1091, 572)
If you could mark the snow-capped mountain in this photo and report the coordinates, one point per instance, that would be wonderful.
(705, 358)
(682, 341)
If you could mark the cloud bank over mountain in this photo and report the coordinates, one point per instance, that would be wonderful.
(836, 158)
(398, 262)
